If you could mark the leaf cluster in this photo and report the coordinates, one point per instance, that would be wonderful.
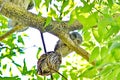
(101, 37)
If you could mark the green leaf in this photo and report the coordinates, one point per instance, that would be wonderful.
(108, 59)
(112, 31)
(87, 7)
(110, 3)
(24, 68)
(48, 20)
(73, 16)
(114, 45)
(116, 54)
(86, 35)
(52, 13)
(116, 38)
(39, 77)
(10, 78)
(113, 74)
(32, 71)
(37, 3)
(58, 0)
(89, 73)
(118, 76)
(96, 35)
(92, 19)
(102, 25)
(89, 21)
(65, 73)
(16, 63)
(110, 71)
(47, 2)
(94, 55)
(20, 39)
(89, 44)
(12, 53)
(0, 72)
(38, 53)
(68, 63)
(73, 75)
(21, 51)
(56, 76)
(104, 52)
(4, 66)
(106, 70)
(65, 3)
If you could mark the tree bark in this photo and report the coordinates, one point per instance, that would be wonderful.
(60, 29)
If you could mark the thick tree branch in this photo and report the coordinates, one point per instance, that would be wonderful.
(59, 29)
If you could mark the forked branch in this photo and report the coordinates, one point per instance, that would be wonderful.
(60, 29)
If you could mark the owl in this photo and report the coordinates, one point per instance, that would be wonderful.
(49, 63)
(62, 47)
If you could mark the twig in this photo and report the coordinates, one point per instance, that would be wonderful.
(51, 77)
(59, 73)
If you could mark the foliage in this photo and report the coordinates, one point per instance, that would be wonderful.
(101, 36)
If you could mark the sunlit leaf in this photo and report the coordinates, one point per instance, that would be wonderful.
(104, 52)
(102, 25)
(21, 51)
(10, 71)
(96, 35)
(116, 38)
(115, 53)
(0, 72)
(24, 68)
(65, 73)
(5, 66)
(112, 31)
(47, 2)
(87, 36)
(89, 73)
(106, 70)
(68, 63)
(20, 39)
(114, 45)
(72, 17)
(108, 59)
(110, 71)
(65, 3)
(37, 3)
(73, 75)
(10, 78)
(56, 76)
(12, 53)
(48, 20)
(39, 78)
(17, 65)
(110, 3)
(118, 76)
(63, 66)
(113, 74)
(87, 7)
(89, 21)
(101, 29)
(38, 53)
(32, 71)
(94, 54)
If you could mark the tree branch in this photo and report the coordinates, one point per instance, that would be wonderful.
(59, 29)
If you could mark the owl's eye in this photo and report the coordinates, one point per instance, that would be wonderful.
(74, 35)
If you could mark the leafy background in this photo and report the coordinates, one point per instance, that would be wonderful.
(101, 38)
